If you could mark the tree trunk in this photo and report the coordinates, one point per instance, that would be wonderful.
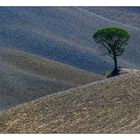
(115, 71)
(115, 63)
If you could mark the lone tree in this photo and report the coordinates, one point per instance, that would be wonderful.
(113, 40)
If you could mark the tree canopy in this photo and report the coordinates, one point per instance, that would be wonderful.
(113, 40)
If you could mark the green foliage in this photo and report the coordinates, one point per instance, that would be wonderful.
(112, 39)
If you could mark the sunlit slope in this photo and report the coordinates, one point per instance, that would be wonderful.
(24, 77)
(64, 34)
(106, 106)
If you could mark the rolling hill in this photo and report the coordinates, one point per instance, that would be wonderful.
(24, 77)
(51, 71)
(64, 34)
(107, 106)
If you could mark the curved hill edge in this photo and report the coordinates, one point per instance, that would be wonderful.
(32, 64)
(98, 107)
(25, 77)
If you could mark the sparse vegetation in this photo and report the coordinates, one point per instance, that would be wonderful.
(108, 74)
(113, 40)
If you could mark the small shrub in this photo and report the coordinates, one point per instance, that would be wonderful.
(108, 74)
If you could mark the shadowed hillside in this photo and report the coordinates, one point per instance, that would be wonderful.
(106, 106)
(126, 15)
(65, 34)
(24, 77)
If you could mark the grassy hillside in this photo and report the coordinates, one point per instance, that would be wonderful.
(107, 106)
(24, 77)
(64, 34)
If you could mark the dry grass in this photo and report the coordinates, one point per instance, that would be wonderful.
(107, 106)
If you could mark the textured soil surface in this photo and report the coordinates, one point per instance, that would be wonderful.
(126, 15)
(107, 106)
(25, 77)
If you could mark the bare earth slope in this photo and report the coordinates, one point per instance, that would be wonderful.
(24, 77)
(107, 106)
(126, 15)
